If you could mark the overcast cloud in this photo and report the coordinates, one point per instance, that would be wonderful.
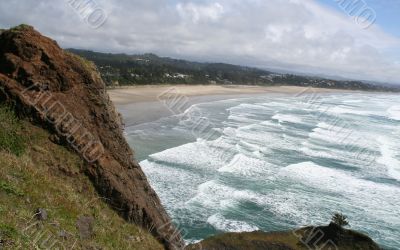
(297, 35)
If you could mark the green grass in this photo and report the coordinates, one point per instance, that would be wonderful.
(8, 234)
(11, 135)
(10, 189)
(48, 176)
(20, 27)
(248, 241)
(8, 231)
(89, 66)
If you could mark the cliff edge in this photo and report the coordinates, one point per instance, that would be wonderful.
(331, 237)
(65, 94)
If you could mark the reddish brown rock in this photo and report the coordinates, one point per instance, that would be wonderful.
(65, 94)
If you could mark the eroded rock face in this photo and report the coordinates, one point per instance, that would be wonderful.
(65, 94)
(319, 237)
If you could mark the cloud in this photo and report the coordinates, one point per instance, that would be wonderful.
(288, 34)
(200, 12)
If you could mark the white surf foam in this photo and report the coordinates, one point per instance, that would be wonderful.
(343, 134)
(219, 222)
(346, 110)
(174, 185)
(200, 155)
(215, 195)
(353, 101)
(376, 199)
(248, 114)
(249, 108)
(394, 112)
(287, 118)
(390, 156)
(242, 165)
(242, 119)
(331, 133)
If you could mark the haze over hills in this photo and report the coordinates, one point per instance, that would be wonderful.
(123, 69)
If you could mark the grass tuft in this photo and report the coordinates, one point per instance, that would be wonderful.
(8, 231)
(11, 134)
(10, 189)
(89, 66)
(20, 27)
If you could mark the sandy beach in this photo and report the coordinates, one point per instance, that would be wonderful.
(148, 93)
(141, 104)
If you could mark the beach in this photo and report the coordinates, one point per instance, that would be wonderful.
(142, 104)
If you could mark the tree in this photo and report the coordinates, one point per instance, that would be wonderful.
(340, 220)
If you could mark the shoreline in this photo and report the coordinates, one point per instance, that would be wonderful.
(141, 104)
(147, 93)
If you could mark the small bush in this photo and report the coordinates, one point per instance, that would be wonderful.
(7, 231)
(11, 137)
(340, 220)
(9, 189)
(20, 27)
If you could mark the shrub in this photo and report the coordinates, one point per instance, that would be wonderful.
(11, 137)
(20, 27)
(9, 189)
(7, 231)
(340, 220)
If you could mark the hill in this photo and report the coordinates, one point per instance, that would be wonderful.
(320, 238)
(65, 95)
(122, 69)
(44, 195)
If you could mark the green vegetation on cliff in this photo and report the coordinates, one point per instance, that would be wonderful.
(37, 174)
(307, 238)
(11, 139)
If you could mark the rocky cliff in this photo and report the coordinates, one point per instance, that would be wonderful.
(331, 237)
(65, 95)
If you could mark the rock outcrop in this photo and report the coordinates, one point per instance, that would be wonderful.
(64, 94)
(322, 237)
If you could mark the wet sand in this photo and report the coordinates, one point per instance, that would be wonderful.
(142, 104)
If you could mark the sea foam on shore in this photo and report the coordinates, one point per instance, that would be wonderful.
(285, 163)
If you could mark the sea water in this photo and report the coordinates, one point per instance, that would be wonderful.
(277, 162)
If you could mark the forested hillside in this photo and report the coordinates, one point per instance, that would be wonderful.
(122, 69)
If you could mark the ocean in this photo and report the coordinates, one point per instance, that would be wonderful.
(277, 162)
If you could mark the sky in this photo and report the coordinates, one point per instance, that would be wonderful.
(322, 37)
